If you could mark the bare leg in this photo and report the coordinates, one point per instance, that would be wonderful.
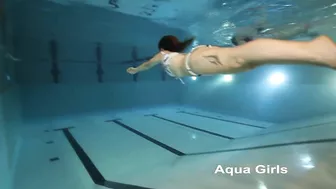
(216, 60)
(320, 51)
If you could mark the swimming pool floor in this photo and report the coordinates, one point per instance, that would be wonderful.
(172, 148)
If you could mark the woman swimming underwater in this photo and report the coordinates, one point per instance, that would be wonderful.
(210, 60)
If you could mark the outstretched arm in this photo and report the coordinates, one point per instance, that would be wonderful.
(146, 65)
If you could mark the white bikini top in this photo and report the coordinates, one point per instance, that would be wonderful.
(166, 63)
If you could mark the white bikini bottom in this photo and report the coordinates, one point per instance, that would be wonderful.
(187, 62)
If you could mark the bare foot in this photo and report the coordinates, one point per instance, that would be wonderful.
(326, 50)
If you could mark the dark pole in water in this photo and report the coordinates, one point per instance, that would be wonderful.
(100, 71)
(134, 61)
(54, 61)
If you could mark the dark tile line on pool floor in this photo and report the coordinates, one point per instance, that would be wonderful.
(254, 147)
(220, 119)
(90, 167)
(191, 127)
(100, 180)
(270, 132)
(162, 145)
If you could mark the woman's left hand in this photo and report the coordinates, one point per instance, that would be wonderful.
(132, 70)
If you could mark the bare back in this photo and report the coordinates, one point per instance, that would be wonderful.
(201, 61)
(204, 60)
(208, 61)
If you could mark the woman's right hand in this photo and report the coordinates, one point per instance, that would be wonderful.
(132, 70)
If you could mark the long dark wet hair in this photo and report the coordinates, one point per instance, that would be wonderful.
(172, 44)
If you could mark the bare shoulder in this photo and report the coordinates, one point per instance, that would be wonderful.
(159, 54)
(157, 57)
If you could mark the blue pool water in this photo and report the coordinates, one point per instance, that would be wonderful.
(71, 117)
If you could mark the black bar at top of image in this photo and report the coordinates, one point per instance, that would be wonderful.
(194, 128)
(93, 171)
(225, 120)
(162, 145)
